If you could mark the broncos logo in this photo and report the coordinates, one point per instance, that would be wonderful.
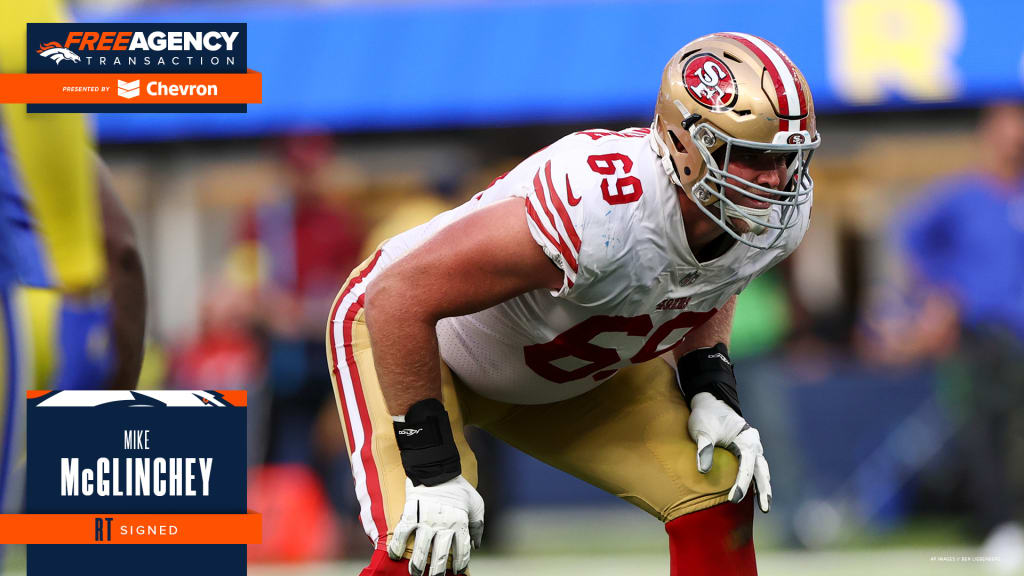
(54, 51)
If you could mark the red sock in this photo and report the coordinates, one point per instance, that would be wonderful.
(381, 565)
(717, 541)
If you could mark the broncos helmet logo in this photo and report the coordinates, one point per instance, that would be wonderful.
(54, 51)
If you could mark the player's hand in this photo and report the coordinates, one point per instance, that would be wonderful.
(449, 516)
(713, 423)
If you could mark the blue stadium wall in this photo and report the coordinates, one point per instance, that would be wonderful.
(425, 65)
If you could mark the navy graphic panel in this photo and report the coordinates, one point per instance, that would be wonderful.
(92, 432)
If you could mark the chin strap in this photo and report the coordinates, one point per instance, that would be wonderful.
(746, 214)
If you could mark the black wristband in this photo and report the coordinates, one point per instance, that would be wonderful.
(708, 370)
(425, 440)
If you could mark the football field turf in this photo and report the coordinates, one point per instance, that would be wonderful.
(616, 542)
(622, 540)
(902, 561)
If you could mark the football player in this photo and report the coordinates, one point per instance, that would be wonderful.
(580, 310)
(72, 292)
(81, 274)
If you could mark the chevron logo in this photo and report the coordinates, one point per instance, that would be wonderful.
(127, 90)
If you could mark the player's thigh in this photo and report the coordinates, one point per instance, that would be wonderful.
(628, 437)
(369, 435)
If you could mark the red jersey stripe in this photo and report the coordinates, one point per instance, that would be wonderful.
(560, 208)
(563, 249)
(532, 212)
(557, 242)
(538, 190)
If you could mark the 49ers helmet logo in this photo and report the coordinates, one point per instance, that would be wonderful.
(710, 82)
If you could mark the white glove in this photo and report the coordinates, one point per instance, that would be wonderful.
(713, 423)
(451, 515)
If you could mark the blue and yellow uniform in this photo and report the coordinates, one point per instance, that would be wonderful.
(52, 167)
(55, 312)
(17, 261)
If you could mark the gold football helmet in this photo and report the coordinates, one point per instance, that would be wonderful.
(727, 94)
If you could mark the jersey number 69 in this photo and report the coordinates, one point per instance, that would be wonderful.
(576, 343)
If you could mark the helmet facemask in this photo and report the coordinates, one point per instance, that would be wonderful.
(717, 150)
(783, 203)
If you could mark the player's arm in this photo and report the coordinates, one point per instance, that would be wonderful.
(707, 382)
(126, 282)
(476, 262)
(718, 329)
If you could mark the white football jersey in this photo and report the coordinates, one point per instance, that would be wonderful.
(602, 208)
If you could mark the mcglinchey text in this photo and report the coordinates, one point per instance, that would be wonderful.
(136, 476)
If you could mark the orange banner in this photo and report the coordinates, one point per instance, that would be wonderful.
(131, 528)
(234, 397)
(128, 88)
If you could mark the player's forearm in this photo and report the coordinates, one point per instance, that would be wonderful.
(126, 282)
(717, 329)
(128, 309)
(405, 352)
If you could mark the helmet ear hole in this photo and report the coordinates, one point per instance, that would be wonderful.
(676, 142)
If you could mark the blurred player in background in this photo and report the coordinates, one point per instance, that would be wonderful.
(551, 308)
(295, 250)
(964, 243)
(302, 244)
(73, 289)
